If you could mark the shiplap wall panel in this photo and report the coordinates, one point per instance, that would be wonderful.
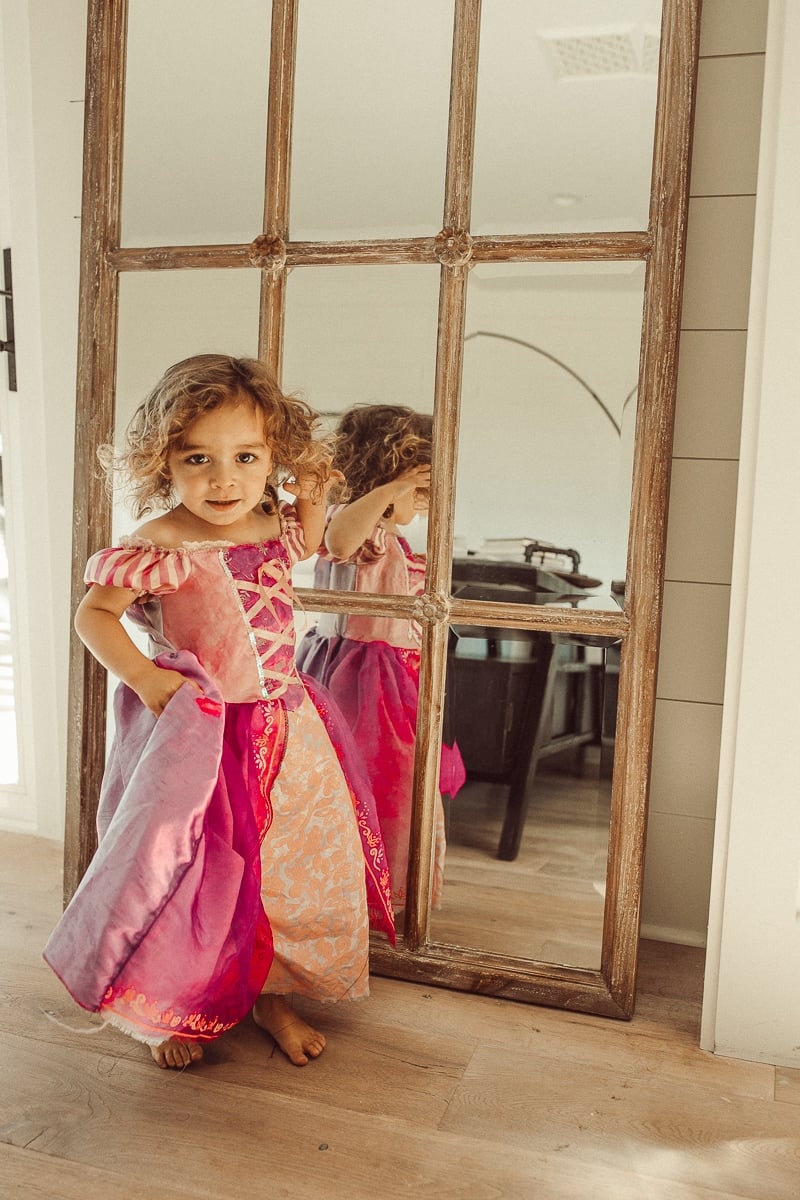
(705, 465)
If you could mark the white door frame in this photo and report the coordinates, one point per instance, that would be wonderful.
(41, 92)
(753, 955)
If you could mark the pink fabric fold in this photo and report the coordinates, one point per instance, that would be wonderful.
(379, 888)
(376, 689)
(166, 932)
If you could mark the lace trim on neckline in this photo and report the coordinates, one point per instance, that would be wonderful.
(134, 542)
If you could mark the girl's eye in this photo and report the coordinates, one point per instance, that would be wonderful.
(196, 460)
(246, 457)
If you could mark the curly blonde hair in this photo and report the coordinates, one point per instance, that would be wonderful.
(374, 443)
(196, 386)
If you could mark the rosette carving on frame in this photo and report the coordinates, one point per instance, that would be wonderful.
(432, 609)
(269, 253)
(453, 247)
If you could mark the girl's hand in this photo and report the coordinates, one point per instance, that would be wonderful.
(334, 478)
(410, 481)
(157, 686)
(310, 496)
(304, 486)
(97, 622)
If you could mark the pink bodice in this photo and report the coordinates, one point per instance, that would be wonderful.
(230, 605)
(385, 565)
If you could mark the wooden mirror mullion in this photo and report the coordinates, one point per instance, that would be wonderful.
(554, 620)
(461, 122)
(611, 989)
(650, 495)
(564, 247)
(96, 376)
(280, 103)
(452, 248)
(485, 973)
(435, 606)
(269, 250)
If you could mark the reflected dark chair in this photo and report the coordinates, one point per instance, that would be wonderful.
(516, 696)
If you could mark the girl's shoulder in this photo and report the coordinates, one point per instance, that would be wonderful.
(160, 532)
(140, 566)
(154, 560)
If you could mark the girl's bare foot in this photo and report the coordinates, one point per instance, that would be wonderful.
(176, 1052)
(298, 1040)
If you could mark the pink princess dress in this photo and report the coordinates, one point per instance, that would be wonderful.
(370, 665)
(239, 849)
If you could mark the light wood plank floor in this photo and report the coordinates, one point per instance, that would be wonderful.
(421, 1092)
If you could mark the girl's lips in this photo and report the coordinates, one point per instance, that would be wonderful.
(222, 503)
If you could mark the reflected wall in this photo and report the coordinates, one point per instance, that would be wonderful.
(368, 161)
(362, 335)
(548, 413)
(195, 122)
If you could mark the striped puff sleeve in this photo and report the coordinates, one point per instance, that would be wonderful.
(143, 569)
(294, 537)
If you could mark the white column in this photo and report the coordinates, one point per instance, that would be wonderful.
(42, 48)
(753, 971)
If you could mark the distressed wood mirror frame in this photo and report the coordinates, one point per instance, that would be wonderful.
(610, 990)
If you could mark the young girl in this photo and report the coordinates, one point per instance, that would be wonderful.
(371, 664)
(230, 871)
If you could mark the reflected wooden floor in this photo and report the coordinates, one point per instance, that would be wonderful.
(421, 1092)
(546, 904)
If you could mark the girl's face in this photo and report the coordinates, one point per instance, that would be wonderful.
(219, 471)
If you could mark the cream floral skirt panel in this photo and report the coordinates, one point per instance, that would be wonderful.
(312, 871)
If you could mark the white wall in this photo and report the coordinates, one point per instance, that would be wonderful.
(42, 94)
(753, 977)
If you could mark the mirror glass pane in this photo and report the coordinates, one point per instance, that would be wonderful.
(565, 115)
(370, 667)
(365, 337)
(370, 119)
(551, 361)
(166, 316)
(527, 835)
(195, 122)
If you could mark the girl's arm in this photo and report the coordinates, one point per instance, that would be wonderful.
(311, 511)
(311, 515)
(350, 527)
(97, 623)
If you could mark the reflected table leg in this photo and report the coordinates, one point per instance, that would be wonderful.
(530, 736)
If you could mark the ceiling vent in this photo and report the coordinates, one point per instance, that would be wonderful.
(600, 53)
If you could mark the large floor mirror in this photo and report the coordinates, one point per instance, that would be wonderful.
(476, 209)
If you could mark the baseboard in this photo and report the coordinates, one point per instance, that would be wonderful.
(13, 825)
(677, 937)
